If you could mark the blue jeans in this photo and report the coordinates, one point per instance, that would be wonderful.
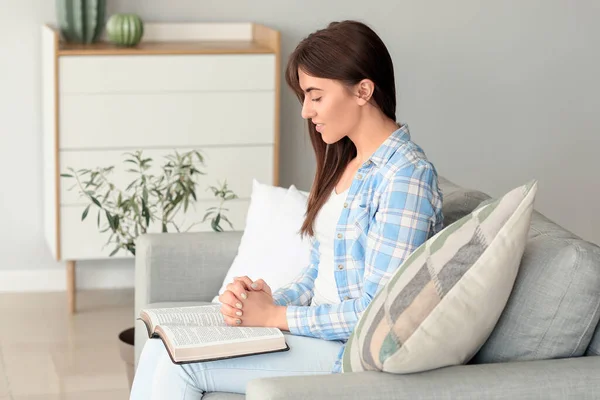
(158, 378)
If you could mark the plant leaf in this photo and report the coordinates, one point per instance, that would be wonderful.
(224, 218)
(206, 216)
(85, 212)
(67, 176)
(130, 186)
(145, 212)
(131, 248)
(111, 221)
(96, 202)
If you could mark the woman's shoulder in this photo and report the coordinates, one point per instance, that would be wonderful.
(407, 171)
(408, 161)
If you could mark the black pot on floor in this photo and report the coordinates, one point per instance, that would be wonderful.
(126, 349)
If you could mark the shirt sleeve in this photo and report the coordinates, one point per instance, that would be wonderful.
(300, 291)
(405, 217)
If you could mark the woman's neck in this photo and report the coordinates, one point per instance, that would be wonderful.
(371, 132)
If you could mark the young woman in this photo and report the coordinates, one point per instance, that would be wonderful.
(374, 200)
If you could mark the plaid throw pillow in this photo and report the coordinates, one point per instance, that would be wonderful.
(443, 302)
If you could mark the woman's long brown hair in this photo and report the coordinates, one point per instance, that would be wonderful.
(347, 51)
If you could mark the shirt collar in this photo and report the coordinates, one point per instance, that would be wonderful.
(391, 144)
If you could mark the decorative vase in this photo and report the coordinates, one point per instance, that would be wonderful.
(81, 21)
(125, 29)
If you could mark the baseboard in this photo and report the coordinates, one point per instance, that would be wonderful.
(89, 275)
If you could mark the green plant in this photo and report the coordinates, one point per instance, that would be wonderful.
(149, 198)
(216, 213)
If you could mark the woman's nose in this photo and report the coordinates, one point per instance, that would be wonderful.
(307, 110)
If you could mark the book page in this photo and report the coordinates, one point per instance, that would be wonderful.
(187, 316)
(188, 336)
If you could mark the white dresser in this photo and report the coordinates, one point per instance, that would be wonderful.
(207, 86)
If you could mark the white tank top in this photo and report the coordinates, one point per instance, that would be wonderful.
(325, 227)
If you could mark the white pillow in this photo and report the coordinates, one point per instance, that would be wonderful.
(271, 247)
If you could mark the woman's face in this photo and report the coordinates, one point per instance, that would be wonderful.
(329, 105)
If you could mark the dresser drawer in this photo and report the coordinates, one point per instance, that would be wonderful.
(96, 121)
(163, 73)
(81, 240)
(237, 165)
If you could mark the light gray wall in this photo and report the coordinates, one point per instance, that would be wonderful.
(496, 92)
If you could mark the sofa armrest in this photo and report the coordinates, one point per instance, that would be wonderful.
(182, 266)
(577, 378)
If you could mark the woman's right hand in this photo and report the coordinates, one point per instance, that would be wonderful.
(232, 299)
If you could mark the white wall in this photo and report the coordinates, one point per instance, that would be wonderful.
(496, 93)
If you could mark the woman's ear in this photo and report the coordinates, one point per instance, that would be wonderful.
(365, 89)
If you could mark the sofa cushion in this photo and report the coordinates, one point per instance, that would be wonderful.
(554, 307)
(442, 303)
(271, 235)
(594, 347)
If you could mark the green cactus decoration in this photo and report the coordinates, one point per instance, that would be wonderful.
(81, 21)
(125, 29)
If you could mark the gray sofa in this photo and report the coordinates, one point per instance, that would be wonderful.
(545, 346)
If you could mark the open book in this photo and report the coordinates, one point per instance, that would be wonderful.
(199, 333)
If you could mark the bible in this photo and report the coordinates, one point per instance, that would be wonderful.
(199, 333)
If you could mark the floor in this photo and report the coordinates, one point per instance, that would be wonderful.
(47, 354)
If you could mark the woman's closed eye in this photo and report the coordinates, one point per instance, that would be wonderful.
(317, 99)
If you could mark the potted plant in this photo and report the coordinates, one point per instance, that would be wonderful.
(150, 198)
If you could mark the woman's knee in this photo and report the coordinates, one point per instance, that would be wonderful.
(152, 355)
(154, 350)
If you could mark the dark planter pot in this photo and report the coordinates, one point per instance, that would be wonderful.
(126, 349)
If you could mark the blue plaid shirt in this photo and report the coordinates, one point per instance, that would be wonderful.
(393, 206)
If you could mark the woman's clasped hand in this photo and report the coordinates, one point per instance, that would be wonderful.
(247, 303)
